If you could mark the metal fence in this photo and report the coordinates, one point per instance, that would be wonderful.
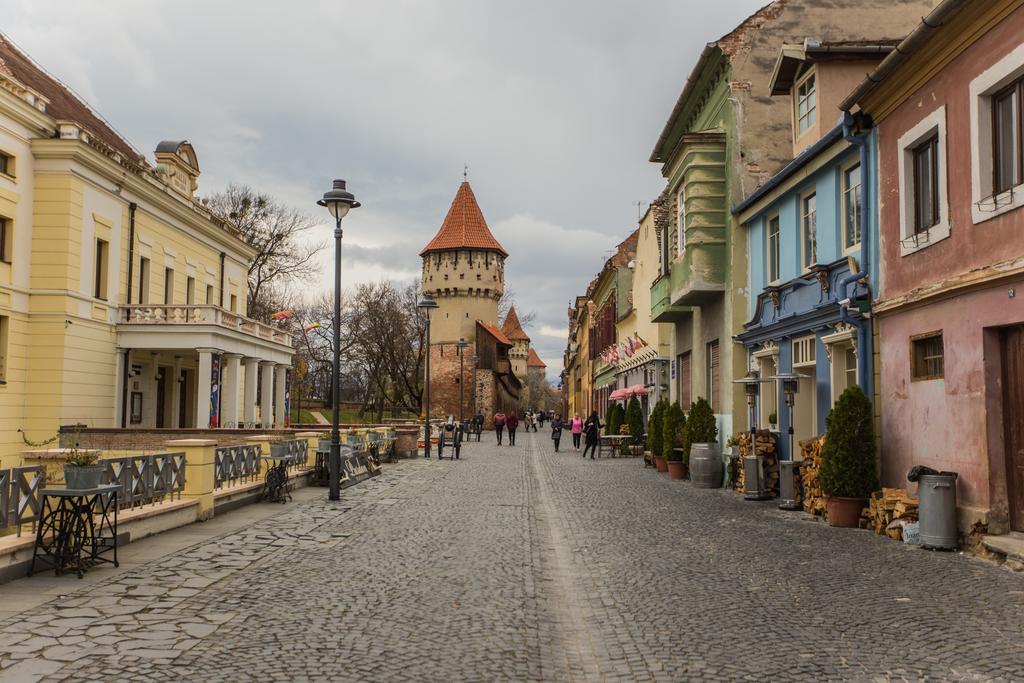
(297, 450)
(235, 464)
(146, 478)
(19, 496)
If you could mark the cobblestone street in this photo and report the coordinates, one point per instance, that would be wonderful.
(519, 564)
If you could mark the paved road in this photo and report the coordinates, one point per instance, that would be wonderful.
(519, 564)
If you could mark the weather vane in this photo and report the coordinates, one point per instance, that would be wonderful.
(465, 172)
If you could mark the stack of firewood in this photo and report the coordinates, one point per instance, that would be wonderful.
(885, 506)
(814, 498)
(767, 446)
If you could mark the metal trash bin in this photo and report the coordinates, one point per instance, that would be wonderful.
(937, 510)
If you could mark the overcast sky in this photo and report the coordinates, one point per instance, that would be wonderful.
(554, 106)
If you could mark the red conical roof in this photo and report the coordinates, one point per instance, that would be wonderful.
(464, 227)
(534, 361)
(512, 328)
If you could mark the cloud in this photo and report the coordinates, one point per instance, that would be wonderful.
(554, 105)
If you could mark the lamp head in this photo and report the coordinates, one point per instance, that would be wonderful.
(427, 303)
(338, 200)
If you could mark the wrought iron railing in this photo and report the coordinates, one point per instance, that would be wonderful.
(296, 449)
(235, 464)
(146, 479)
(19, 496)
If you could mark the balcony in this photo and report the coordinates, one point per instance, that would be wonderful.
(177, 326)
(662, 310)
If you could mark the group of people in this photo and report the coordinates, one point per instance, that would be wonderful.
(588, 431)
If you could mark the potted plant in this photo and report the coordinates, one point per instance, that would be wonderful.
(773, 422)
(674, 439)
(82, 469)
(655, 429)
(635, 420)
(702, 431)
(848, 472)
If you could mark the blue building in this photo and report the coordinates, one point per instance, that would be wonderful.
(811, 234)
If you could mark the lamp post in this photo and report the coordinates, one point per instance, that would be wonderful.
(338, 201)
(461, 346)
(787, 468)
(427, 304)
(476, 363)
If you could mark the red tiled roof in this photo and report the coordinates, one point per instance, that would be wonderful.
(494, 332)
(512, 328)
(534, 361)
(464, 226)
(63, 104)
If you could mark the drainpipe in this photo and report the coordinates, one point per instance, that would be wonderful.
(864, 341)
(222, 279)
(131, 248)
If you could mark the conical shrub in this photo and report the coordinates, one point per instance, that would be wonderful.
(849, 467)
(674, 432)
(655, 428)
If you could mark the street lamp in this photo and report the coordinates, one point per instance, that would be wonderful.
(753, 479)
(427, 304)
(789, 466)
(461, 345)
(338, 201)
(476, 363)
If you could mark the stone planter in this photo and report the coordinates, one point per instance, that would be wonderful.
(660, 464)
(845, 512)
(81, 477)
(676, 469)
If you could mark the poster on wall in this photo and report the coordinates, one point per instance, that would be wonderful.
(215, 391)
(287, 398)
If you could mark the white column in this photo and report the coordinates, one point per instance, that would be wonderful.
(249, 399)
(280, 373)
(267, 394)
(121, 394)
(229, 390)
(203, 388)
(175, 380)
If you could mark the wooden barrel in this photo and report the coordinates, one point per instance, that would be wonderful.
(705, 466)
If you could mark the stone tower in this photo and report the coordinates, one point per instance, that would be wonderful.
(520, 351)
(464, 270)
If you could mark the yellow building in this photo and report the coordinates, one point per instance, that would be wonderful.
(122, 298)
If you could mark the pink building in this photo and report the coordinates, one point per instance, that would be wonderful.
(947, 106)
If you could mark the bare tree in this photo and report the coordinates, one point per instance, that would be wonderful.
(275, 231)
(508, 298)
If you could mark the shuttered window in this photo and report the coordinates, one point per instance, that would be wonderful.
(685, 380)
(713, 371)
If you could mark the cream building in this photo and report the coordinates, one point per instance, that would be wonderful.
(122, 298)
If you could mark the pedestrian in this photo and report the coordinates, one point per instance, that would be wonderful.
(512, 423)
(499, 424)
(537, 418)
(556, 430)
(527, 420)
(592, 431)
(542, 418)
(576, 427)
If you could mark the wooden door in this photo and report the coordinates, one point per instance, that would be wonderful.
(1013, 421)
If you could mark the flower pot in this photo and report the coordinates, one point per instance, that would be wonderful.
(80, 477)
(845, 512)
(676, 469)
(660, 464)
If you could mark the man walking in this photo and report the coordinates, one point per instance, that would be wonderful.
(512, 423)
(499, 424)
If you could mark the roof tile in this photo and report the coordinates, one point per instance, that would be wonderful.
(512, 327)
(464, 226)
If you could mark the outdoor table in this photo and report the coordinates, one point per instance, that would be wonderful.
(614, 440)
(77, 529)
(275, 484)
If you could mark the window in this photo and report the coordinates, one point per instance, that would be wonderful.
(190, 290)
(806, 104)
(809, 229)
(168, 285)
(100, 268)
(5, 325)
(143, 280)
(209, 294)
(6, 164)
(926, 357)
(926, 184)
(6, 241)
(681, 222)
(851, 366)
(773, 249)
(1008, 138)
(851, 206)
(234, 304)
(685, 377)
(712, 376)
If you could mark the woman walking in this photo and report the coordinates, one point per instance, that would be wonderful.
(499, 424)
(592, 430)
(556, 430)
(512, 423)
(577, 430)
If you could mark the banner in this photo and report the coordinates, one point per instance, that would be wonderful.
(215, 390)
